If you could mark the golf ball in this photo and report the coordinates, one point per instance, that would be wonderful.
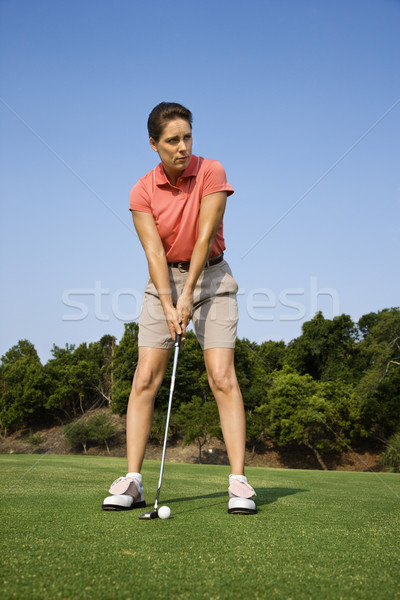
(164, 512)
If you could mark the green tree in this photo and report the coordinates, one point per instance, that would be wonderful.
(101, 429)
(323, 416)
(273, 355)
(124, 365)
(107, 345)
(158, 426)
(379, 385)
(199, 420)
(251, 373)
(72, 379)
(77, 434)
(191, 376)
(326, 349)
(21, 387)
(255, 427)
(96, 429)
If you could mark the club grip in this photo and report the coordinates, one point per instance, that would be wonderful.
(178, 339)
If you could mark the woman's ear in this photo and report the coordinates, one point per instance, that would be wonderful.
(153, 144)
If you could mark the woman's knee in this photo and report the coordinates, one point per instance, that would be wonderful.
(222, 379)
(150, 370)
(146, 379)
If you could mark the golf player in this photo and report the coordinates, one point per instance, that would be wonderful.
(177, 211)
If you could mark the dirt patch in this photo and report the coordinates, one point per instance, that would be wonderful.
(52, 441)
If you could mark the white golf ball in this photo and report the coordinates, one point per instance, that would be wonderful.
(164, 512)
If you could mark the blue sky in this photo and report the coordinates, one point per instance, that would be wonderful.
(299, 100)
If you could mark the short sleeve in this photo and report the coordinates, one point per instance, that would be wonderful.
(215, 178)
(139, 198)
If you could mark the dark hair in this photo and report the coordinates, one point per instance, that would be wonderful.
(164, 112)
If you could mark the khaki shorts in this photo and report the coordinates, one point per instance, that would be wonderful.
(215, 310)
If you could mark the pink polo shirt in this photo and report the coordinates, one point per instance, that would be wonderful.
(176, 208)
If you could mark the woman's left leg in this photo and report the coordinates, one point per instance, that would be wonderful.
(224, 385)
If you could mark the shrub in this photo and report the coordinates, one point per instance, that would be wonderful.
(158, 426)
(391, 457)
(35, 439)
(77, 434)
(199, 420)
(96, 429)
(101, 429)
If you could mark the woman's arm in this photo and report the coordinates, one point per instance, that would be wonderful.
(158, 268)
(211, 213)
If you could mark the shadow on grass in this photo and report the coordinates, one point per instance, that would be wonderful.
(264, 496)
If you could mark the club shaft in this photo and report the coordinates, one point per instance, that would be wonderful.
(171, 392)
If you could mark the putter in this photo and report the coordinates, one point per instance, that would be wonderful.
(153, 514)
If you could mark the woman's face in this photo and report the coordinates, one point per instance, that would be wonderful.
(174, 146)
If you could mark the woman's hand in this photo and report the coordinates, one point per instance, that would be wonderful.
(184, 308)
(172, 318)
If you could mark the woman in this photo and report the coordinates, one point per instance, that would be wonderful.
(177, 211)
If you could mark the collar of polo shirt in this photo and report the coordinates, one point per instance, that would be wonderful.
(190, 171)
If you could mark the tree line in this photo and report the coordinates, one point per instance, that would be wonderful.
(335, 384)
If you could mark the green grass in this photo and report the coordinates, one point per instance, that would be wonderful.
(322, 535)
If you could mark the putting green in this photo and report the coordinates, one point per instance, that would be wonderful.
(324, 535)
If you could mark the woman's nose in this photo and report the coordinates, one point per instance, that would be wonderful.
(182, 146)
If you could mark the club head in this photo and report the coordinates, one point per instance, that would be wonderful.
(151, 514)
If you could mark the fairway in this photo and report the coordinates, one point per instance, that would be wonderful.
(317, 534)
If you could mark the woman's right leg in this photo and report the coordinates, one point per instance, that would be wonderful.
(148, 377)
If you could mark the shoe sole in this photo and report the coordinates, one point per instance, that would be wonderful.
(119, 507)
(242, 511)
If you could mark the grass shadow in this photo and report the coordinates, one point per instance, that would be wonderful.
(264, 496)
(270, 495)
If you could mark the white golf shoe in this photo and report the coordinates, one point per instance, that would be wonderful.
(241, 496)
(127, 493)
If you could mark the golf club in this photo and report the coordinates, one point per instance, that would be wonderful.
(153, 514)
